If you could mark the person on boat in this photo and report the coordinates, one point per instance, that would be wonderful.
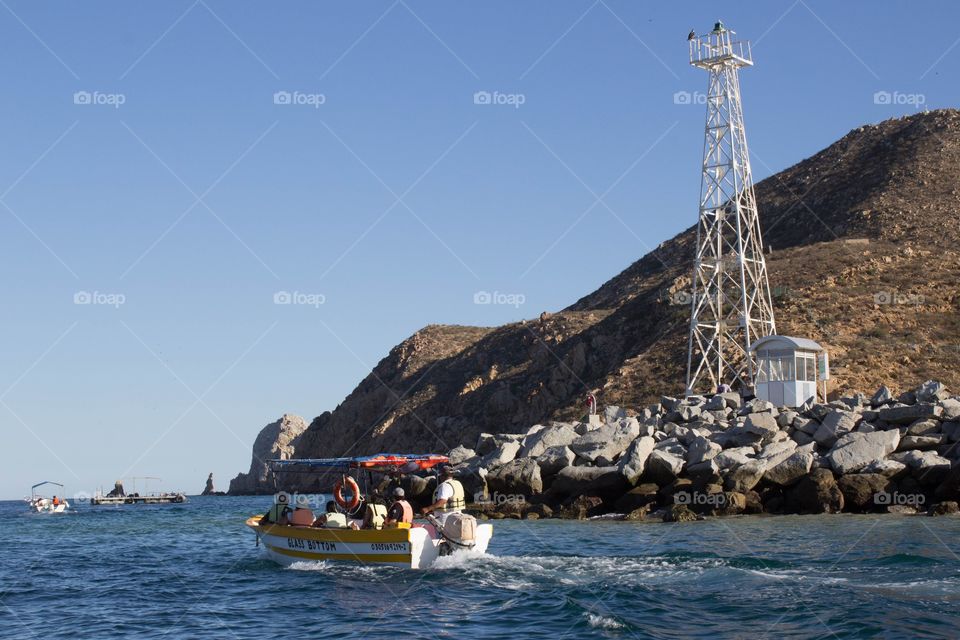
(302, 516)
(449, 496)
(374, 516)
(56, 501)
(400, 510)
(279, 511)
(332, 519)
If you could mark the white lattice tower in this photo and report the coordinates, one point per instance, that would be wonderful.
(730, 296)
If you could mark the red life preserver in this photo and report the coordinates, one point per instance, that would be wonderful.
(354, 489)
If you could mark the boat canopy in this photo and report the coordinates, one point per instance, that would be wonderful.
(383, 462)
(40, 484)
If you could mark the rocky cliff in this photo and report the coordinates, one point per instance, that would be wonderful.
(864, 259)
(277, 440)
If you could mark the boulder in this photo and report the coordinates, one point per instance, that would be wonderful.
(854, 451)
(573, 481)
(882, 396)
(923, 428)
(637, 497)
(535, 444)
(663, 467)
(951, 409)
(887, 468)
(518, 477)
(761, 424)
(502, 454)
(554, 459)
(790, 470)
(910, 413)
(613, 414)
(945, 508)
(864, 492)
(949, 489)
(604, 445)
(928, 467)
(679, 513)
(776, 452)
(815, 493)
(746, 476)
(808, 426)
(702, 450)
(634, 460)
(460, 454)
(704, 472)
(581, 508)
(729, 458)
(908, 443)
(834, 425)
(471, 473)
(488, 442)
(931, 391)
(951, 430)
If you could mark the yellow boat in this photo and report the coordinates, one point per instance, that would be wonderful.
(415, 546)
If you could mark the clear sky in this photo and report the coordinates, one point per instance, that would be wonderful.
(169, 169)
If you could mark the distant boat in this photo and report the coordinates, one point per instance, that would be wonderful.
(42, 504)
(119, 496)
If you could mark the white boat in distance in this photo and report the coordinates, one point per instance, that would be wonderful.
(42, 504)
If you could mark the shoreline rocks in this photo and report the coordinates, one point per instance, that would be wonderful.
(686, 458)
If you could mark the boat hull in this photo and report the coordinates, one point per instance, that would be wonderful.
(415, 548)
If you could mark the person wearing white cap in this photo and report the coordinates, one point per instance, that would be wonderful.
(400, 510)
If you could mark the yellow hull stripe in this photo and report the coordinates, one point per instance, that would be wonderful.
(331, 535)
(404, 558)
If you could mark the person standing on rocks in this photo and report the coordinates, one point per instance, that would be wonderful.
(449, 496)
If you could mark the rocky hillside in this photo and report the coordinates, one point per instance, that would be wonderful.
(864, 239)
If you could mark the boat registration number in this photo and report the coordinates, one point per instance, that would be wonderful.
(311, 545)
(389, 546)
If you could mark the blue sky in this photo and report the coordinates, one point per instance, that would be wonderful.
(168, 170)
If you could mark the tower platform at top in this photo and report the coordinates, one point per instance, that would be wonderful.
(719, 48)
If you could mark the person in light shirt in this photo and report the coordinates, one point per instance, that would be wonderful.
(449, 496)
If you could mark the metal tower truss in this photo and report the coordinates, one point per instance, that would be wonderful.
(731, 305)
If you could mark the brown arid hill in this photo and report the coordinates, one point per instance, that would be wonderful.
(864, 258)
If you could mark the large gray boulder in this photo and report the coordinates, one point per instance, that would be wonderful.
(555, 459)
(663, 467)
(790, 470)
(887, 468)
(951, 409)
(488, 442)
(761, 424)
(502, 454)
(931, 391)
(834, 425)
(702, 450)
(815, 493)
(558, 435)
(729, 458)
(459, 454)
(928, 467)
(518, 477)
(855, 451)
(606, 482)
(634, 460)
(602, 446)
(746, 476)
(910, 413)
(472, 475)
(776, 452)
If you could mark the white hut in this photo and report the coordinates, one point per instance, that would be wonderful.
(786, 369)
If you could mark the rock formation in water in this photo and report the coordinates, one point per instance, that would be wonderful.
(277, 440)
(208, 490)
(864, 259)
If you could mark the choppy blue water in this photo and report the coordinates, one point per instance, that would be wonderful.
(192, 571)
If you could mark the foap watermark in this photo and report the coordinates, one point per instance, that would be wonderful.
(686, 97)
(99, 98)
(499, 498)
(514, 300)
(898, 98)
(699, 498)
(885, 499)
(515, 100)
(895, 297)
(99, 298)
(299, 298)
(299, 98)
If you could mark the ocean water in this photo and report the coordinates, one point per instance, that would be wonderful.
(192, 571)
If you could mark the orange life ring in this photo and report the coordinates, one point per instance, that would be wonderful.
(354, 489)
